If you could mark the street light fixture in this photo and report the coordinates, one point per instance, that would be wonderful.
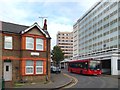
(47, 48)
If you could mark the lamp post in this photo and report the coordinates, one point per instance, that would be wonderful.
(47, 48)
(3, 84)
(47, 59)
(2, 78)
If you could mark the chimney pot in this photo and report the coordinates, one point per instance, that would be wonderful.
(45, 25)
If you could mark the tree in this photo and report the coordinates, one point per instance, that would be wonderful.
(57, 55)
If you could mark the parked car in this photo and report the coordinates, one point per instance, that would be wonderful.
(55, 69)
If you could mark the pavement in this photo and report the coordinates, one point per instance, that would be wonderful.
(111, 76)
(57, 80)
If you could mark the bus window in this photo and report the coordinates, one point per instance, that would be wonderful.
(94, 65)
(86, 65)
(79, 65)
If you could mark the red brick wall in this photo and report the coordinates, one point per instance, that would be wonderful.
(19, 54)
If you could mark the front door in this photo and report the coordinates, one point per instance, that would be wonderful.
(7, 71)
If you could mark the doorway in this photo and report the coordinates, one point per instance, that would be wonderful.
(106, 66)
(7, 71)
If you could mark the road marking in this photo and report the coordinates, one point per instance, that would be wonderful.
(73, 82)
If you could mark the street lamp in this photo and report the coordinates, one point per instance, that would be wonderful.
(47, 47)
(47, 59)
(47, 55)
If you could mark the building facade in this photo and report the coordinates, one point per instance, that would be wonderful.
(97, 35)
(65, 42)
(25, 53)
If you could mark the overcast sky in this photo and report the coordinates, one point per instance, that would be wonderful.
(61, 15)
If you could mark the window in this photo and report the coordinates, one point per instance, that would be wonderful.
(113, 5)
(29, 67)
(8, 42)
(39, 44)
(118, 64)
(113, 13)
(29, 43)
(7, 68)
(39, 67)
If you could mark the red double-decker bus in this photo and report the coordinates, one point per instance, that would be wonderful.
(88, 67)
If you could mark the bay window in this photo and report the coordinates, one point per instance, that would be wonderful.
(29, 67)
(30, 43)
(39, 67)
(39, 44)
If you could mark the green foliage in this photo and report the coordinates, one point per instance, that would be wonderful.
(57, 55)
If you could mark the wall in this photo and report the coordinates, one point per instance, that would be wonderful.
(19, 54)
(114, 64)
(26, 55)
(15, 52)
(14, 56)
(31, 79)
(16, 70)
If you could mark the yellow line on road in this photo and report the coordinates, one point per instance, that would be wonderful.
(74, 80)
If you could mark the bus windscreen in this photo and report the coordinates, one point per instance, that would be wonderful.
(94, 65)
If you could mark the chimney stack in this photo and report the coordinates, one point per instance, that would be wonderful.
(45, 25)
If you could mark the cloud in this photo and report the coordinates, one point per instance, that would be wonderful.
(87, 4)
(10, 13)
(62, 14)
(46, 1)
(53, 29)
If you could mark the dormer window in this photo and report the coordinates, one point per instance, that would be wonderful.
(29, 43)
(8, 42)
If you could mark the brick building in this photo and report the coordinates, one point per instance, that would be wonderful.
(65, 42)
(25, 52)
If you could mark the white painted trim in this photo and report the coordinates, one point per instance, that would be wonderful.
(35, 24)
(39, 67)
(29, 67)
(35, 53)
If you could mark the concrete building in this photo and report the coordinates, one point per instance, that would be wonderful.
(97, 35)
(65, 41)
(25, 53)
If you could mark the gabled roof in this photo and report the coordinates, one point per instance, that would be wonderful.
(21, 29)
(13, 28)
(35, 24)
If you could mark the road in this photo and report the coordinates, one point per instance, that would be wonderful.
(101, 81)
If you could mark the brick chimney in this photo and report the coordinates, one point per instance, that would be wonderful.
(45, 25)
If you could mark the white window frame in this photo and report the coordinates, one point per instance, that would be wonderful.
(32, 43)
(32, 67)
(39, 66)
(39, 43)
(8, 41)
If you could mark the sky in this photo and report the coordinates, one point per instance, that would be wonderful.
(61, 15)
